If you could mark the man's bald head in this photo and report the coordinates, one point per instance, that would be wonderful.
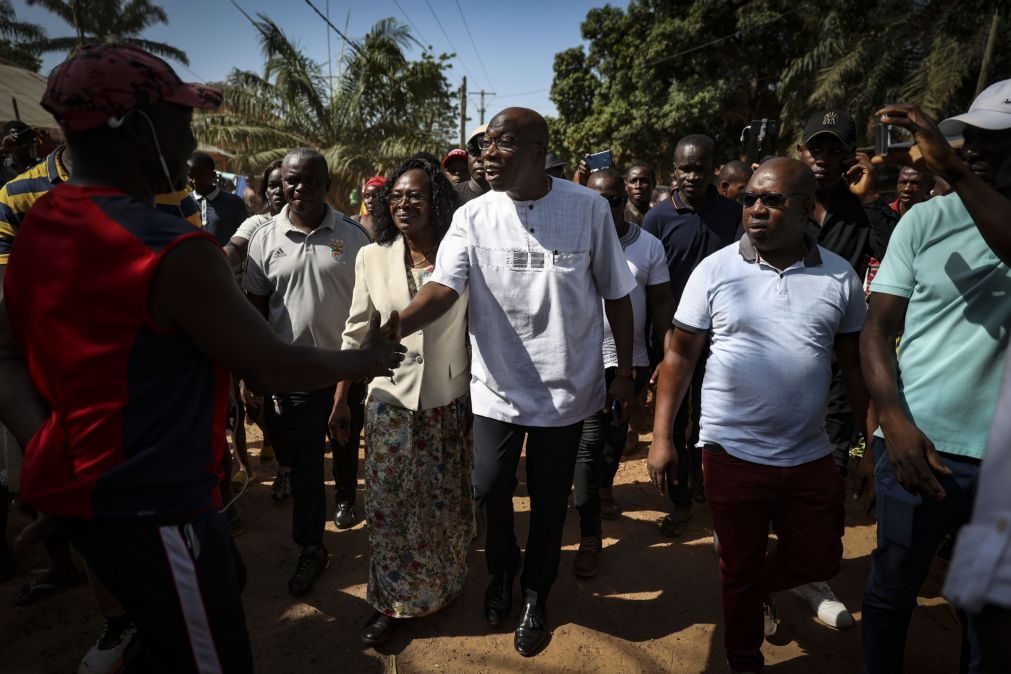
(513, 150)
(523, 121)
(792, 174)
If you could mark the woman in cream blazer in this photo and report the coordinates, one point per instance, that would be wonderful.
(418, 423)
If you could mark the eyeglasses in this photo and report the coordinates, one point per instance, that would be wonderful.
(414, 199)
(770, 199)
(503, 143)
(616, 200)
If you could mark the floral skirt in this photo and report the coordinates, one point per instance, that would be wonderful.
(419, 505)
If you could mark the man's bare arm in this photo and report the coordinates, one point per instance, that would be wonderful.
(911, 453)
(660, 299)
(676, 372)
(194, 291)
(22, 410)
(431, 302)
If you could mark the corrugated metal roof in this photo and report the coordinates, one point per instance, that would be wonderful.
(27, 88)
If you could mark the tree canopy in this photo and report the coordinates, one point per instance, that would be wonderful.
(382, 108)
(660, 69)
(107, 21)
(17, 39)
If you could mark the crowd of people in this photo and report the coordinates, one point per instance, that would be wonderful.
(484, 306)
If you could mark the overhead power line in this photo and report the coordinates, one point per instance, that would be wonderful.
(411, 23)
(473, 44)
(348, 41)
(522, 93)
(456, 52)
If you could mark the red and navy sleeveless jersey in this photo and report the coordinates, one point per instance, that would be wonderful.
(137, 418)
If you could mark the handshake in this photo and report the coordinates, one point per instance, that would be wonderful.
(381, 346)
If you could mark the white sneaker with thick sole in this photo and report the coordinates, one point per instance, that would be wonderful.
(106, 656)
(829, 610)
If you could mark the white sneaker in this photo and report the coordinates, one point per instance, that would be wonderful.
(771, 617)
(106, 656)
(829, 610)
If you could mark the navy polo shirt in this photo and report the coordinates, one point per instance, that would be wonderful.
(689, 236)
(221, 213)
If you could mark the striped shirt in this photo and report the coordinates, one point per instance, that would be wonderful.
(18, 195)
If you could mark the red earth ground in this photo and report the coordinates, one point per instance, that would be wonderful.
(654, 606)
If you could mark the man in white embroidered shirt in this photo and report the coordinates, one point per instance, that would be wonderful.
(538, 255)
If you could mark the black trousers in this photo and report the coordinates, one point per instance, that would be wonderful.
(601, 445)
(551, 459)
(686, 437)
(178, 582)
(300, 429)
(345, 457)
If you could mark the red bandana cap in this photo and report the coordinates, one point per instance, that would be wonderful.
(101, 82)
(454, 154)
(378, 181)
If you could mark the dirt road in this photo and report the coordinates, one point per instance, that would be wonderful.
(654, 607)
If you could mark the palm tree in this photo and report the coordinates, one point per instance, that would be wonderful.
(16, 38)
(868, 53)
(99, 21)
(383, 108)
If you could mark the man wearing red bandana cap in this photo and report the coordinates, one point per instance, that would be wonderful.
(455, 166)
(119, 327)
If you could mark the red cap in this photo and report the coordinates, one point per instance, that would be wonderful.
(100, 82)
(453, 154)
(378, 181)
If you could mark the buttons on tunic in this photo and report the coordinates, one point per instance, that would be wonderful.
(419, 360)
(531, 207)
(531, 230)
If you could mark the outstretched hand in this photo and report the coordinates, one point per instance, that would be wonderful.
(382, 345)
(937, 154)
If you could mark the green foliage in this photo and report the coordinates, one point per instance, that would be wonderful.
(16, 38)
(107, 21)
(662, 69)
(382, 109)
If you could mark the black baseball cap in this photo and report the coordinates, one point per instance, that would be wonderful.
(839, 123)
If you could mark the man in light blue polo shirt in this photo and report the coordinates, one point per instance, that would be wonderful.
(775, 306)
(948, 295)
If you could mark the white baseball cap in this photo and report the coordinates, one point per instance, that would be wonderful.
(991, 111)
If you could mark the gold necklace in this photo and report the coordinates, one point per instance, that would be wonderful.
(415, 265)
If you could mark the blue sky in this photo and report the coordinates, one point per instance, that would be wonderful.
(516, 40)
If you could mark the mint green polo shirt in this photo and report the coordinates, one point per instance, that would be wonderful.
(951, 354)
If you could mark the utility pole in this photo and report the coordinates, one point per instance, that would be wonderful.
(482, 108)
(463, 112)
(984, 68)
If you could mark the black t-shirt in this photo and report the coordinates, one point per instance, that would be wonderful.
(883, 219)
(846, 230)
(468, 190)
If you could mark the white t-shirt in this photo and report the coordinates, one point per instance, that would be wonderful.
(648, 265)
(536, 272)
(772, 337)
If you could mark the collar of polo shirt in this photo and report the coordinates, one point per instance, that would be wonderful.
(812, 258)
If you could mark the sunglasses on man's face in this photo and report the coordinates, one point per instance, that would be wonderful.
(770, 199)
(616, 200)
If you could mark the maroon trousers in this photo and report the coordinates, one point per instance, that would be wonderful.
(805, 506)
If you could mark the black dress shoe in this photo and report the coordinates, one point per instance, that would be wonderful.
(344, 516)
(498, 598)
(378, 629)
(532, 633)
